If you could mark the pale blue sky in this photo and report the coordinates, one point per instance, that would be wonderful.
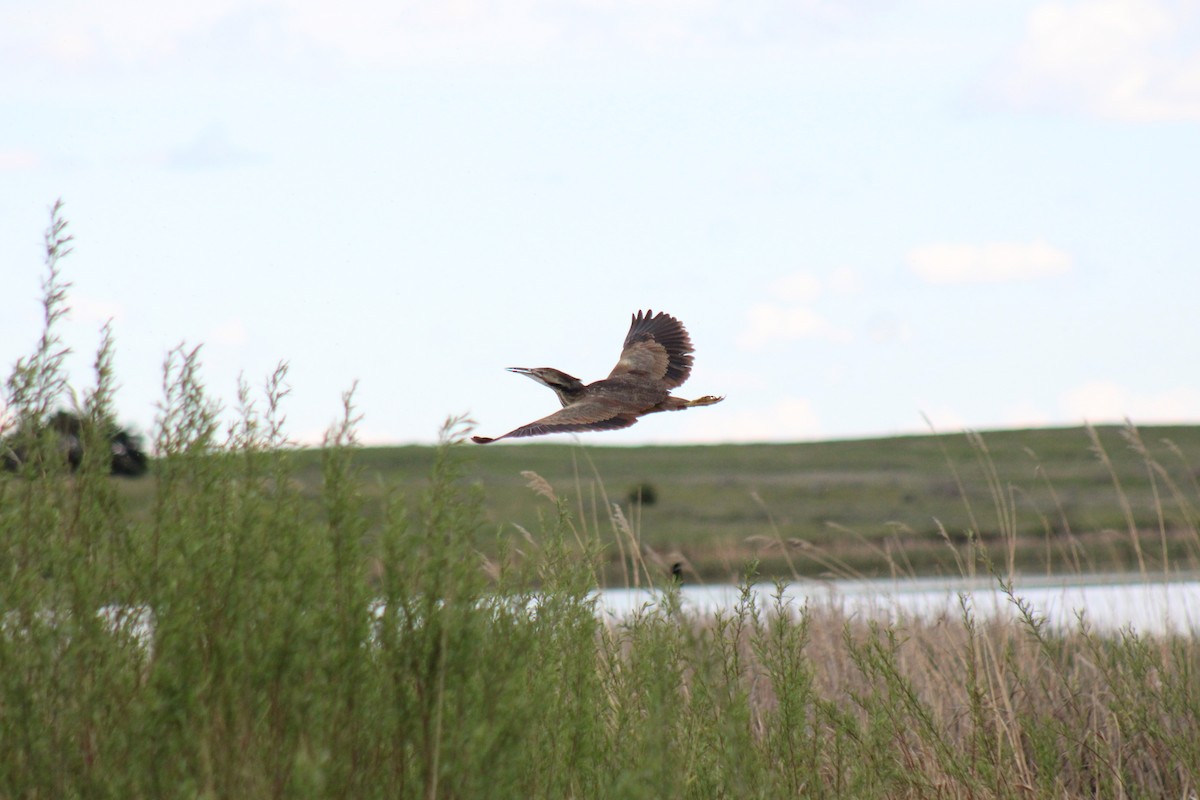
(985, 212)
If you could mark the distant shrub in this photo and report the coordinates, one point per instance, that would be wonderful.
(644, 494)
(66, 431)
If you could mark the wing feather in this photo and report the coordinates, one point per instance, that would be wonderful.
(657, 347)
(597, 414)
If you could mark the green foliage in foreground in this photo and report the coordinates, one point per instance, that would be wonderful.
(274, 665)
(244, 641)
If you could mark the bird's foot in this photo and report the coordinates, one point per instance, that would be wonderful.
(481, 439)
(707, 400)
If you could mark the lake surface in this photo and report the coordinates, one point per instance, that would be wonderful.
(1109, 602)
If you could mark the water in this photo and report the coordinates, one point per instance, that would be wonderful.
(1109, 602)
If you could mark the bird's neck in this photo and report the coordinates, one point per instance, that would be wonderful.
(568, 389)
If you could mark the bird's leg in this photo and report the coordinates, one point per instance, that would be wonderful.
(707, 400)
(678, 403)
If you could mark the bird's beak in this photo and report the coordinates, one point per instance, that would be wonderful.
(520, 370)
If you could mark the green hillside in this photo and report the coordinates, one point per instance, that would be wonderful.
(1047, 498)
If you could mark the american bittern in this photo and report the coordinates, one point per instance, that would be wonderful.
(657, 357)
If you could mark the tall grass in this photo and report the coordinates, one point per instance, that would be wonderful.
(247, 642)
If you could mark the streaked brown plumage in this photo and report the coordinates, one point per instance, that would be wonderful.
(656, 358)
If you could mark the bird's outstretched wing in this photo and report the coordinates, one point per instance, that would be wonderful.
(657, 347)
(589, 414)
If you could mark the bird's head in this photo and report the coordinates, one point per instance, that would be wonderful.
(549, 376)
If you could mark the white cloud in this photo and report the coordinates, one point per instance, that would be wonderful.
(1133, 60)
(1025, 415)
(943, 419)
(723, 374)
(13, 160)
(231, 332)
(769, 323)
(789, 316)
(799, 287)
(128, 32)
(845, 280)
(789, 419)
(884, 327)
(374, 32)
(994, 262)
(367, 32)
(212, 149)
(85, 308)
(1106, 401)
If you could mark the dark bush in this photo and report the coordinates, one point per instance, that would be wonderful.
(643, 493)
(128, 457)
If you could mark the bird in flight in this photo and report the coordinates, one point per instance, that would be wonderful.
(656, 358)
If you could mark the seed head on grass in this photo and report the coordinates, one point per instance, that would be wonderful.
(539, 485)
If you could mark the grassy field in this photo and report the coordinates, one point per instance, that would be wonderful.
(252, 621)
(869, 507)
(1071, 500)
